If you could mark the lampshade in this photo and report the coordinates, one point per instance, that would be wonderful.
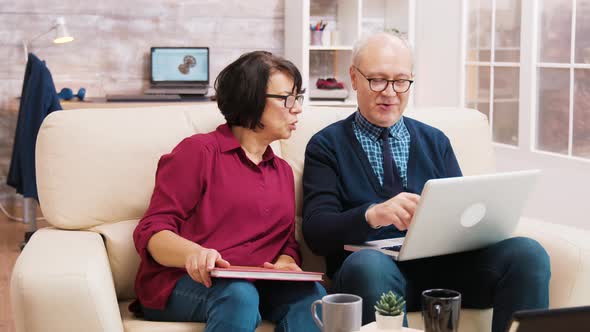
(61, 33)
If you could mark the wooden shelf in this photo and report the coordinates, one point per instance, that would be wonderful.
(330, 48)
(346, 103)
(496, 100)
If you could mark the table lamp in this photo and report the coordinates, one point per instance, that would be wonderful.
(61, 35)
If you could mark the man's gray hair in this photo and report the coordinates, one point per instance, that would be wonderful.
(361, 44)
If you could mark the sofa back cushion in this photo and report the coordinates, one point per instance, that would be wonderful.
(123, 259)
(98, 166)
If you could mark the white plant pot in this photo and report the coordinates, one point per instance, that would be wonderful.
(389, 323)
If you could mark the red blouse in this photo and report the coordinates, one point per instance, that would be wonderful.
(209, 192)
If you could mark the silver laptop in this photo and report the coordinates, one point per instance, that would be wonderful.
(460, 214)
(179, 71)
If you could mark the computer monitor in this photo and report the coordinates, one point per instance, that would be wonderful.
(179, 66)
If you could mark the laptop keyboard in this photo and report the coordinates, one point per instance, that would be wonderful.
(393, 248)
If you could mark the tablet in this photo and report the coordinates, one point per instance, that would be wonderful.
(574, 319)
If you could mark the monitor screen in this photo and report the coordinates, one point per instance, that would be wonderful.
(180, 64)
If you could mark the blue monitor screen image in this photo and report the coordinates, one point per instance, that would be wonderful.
(180, 64)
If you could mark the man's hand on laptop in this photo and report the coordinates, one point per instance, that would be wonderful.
(397, 211)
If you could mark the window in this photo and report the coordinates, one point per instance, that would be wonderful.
(558, 35)
(493, 65)
(563, 71)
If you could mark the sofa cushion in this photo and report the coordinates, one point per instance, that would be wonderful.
(62, 282)
(123, 257)
(469, 133)
(569, 250)
(98, 166)
(132, 324)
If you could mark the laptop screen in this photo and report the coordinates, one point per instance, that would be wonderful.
(180, 65)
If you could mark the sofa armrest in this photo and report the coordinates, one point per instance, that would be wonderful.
(62, 282)
(569, 252)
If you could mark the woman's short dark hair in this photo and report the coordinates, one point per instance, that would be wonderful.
(240, 88)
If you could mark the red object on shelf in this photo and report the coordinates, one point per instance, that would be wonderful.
(329, 84)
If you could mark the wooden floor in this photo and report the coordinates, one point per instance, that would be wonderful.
(11, 235)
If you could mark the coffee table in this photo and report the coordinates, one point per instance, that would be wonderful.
(372, 327)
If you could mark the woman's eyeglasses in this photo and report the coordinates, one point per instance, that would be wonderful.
(289, 99)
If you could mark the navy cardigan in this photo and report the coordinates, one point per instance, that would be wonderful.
(339, 185)
(38, 99)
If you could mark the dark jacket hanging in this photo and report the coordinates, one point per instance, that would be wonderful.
(38, 99)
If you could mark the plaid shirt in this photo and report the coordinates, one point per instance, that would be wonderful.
(369, 134)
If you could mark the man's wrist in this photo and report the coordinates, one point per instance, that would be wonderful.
(367, 217)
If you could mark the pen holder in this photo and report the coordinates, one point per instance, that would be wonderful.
(316, 37)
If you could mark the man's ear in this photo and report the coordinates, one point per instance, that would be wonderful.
(352, 74)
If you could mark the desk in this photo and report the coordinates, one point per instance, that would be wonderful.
(372, 327)
(103, 103)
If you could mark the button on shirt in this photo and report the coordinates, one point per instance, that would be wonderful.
(399, 139)
(209, 192)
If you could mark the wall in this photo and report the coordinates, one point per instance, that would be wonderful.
(561, 193)
(112, 41)
(437, 53)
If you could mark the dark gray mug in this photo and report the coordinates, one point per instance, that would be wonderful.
(440, 310)
(340, 313)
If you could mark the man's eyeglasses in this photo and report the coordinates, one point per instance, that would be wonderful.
(289, 99)
(380, 84)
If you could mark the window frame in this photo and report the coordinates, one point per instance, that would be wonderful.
(491, 64)
(529, 72)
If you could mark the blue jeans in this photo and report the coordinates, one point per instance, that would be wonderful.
(508, 276)
(239, 305)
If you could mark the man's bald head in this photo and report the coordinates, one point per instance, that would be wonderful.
(380, 57)
(381, 39)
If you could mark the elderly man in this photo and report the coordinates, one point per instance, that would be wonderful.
(361, 180)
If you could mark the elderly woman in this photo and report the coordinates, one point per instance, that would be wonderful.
(224, 198)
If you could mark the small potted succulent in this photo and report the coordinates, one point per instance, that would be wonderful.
(389, 312)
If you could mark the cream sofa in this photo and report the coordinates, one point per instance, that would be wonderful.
(95, 173)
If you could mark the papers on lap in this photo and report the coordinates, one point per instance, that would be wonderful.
(248, 272)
